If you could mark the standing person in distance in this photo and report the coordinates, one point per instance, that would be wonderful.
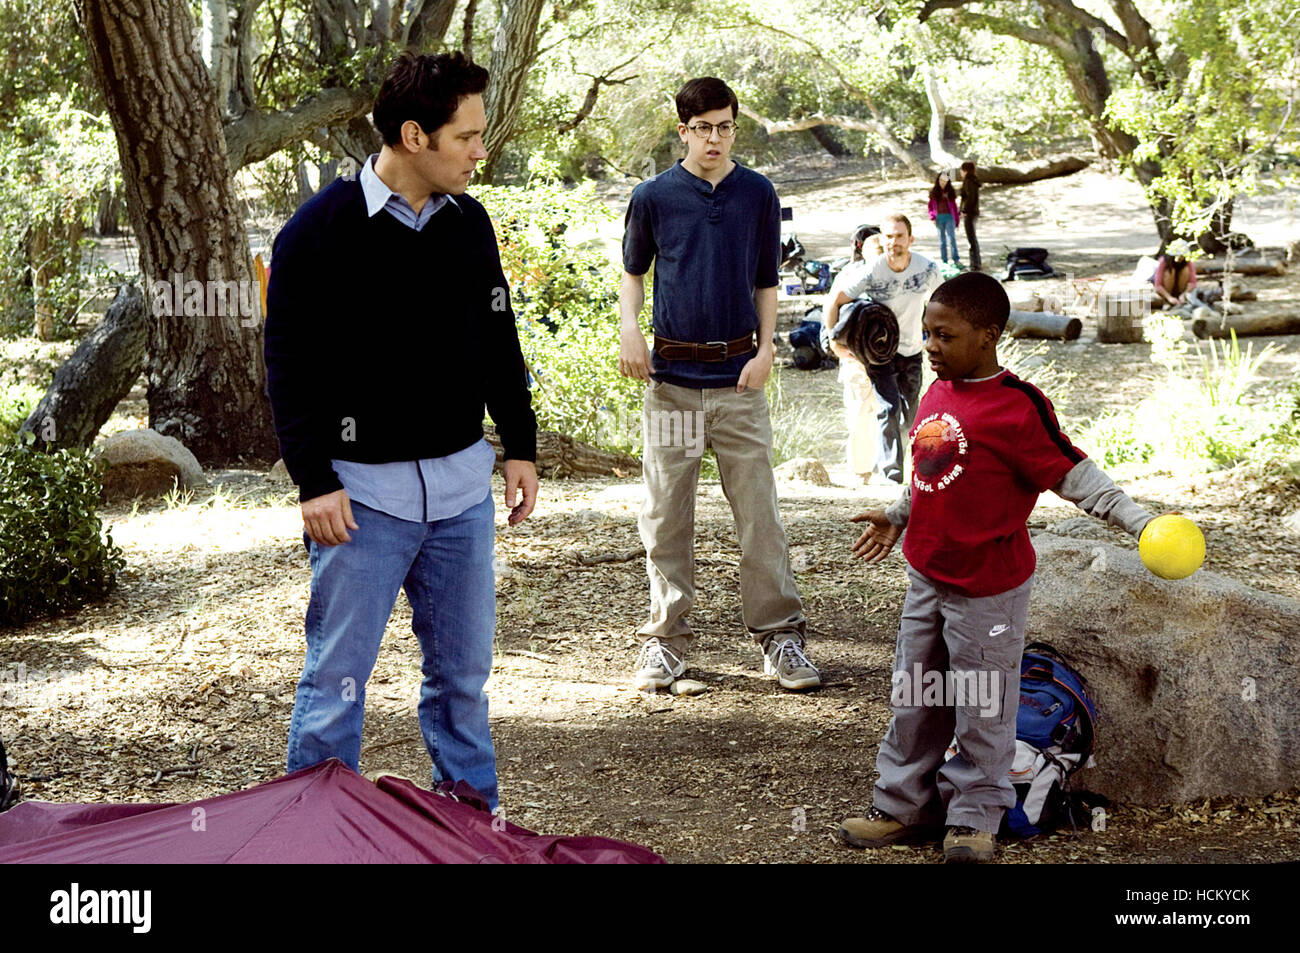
(712, 229)
(855, 385)
(381, 428)
(970, 208)
(902, 280)
(945, 215)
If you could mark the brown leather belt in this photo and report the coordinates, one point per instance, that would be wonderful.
(709, 351)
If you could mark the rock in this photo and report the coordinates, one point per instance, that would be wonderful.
(808, 469)
(1292, 522)
(801, 561)
(279, 473)
(145, 463)
(688, 686)
(1194, 678)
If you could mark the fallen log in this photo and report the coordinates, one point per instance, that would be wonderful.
(1250, 324)
(1042, 169)
(95, 378)
(1241, 266)
(1043, 324)
(559, 455)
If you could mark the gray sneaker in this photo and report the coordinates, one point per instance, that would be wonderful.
(785, 660)
(657, 666)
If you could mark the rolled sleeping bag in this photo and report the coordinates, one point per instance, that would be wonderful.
(869, 329)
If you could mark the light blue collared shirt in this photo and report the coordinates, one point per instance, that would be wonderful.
(434, 488)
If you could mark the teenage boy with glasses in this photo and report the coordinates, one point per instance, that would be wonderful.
(712, 229)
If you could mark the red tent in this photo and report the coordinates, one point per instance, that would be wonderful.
(326, 814)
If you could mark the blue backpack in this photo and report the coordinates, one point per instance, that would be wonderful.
(1055, 733)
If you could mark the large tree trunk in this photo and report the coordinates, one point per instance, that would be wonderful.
(428, 24)
(205, 368)
(90, 383)
(514, 47)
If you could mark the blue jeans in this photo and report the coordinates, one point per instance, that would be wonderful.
(446, 568)
(947, 237)
(898, 389)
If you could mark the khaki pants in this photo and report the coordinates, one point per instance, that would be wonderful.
(678, 423)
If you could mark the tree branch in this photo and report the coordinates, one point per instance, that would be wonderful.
(257, 135)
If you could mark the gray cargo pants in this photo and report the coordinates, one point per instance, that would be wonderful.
(956, 671)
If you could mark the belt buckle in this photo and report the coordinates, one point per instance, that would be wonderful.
(720, 345)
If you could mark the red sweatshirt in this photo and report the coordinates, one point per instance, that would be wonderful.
(982, 452)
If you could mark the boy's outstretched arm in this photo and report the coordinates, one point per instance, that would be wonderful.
(884, 529)
(1092, 491)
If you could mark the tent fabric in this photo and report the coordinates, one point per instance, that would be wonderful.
(325, 814)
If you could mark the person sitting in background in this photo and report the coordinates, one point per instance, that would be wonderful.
(1175, 275)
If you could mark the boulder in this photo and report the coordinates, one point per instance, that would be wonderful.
(279, 473)
(808, 469)
(1194, 677)
(145, 463)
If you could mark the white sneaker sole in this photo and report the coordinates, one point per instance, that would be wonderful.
(792, 684)
(649, 683)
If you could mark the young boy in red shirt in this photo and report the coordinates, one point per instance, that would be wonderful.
(984, 446)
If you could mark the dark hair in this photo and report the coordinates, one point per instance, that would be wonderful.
(860, 237)
(948, 191)
(978, 298)
(427, 89)
(704, 95)
(967, 168)
(899, 217)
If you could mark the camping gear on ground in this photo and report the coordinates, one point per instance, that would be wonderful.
(1025, 264)
(869, 329)
(1055, 734)
(323, 814)
(806, 340)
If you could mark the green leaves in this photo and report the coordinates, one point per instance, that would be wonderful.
(52, 555)
(564, 292)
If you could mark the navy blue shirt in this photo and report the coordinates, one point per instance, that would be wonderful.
(711, 247)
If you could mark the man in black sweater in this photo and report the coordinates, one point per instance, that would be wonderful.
(388, 332)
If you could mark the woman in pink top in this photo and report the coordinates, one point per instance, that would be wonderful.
(1175, 275)
(944, 214)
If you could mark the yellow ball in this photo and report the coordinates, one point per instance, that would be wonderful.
(1172, 546)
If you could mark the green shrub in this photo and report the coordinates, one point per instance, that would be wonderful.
(52, 554)
(564, 291)
(16, 403)
(1198, 419)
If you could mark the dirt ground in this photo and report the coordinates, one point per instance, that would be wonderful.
(180, 686)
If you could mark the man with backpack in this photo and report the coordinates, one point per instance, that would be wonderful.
(901, 280)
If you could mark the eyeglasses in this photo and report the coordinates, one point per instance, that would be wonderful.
(705, 129)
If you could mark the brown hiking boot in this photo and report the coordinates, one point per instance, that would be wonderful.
(965, 845)
(878, 829)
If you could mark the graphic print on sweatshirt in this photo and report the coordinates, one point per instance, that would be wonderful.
(939, 452)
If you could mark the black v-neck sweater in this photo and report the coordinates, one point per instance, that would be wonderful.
(384, 343)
